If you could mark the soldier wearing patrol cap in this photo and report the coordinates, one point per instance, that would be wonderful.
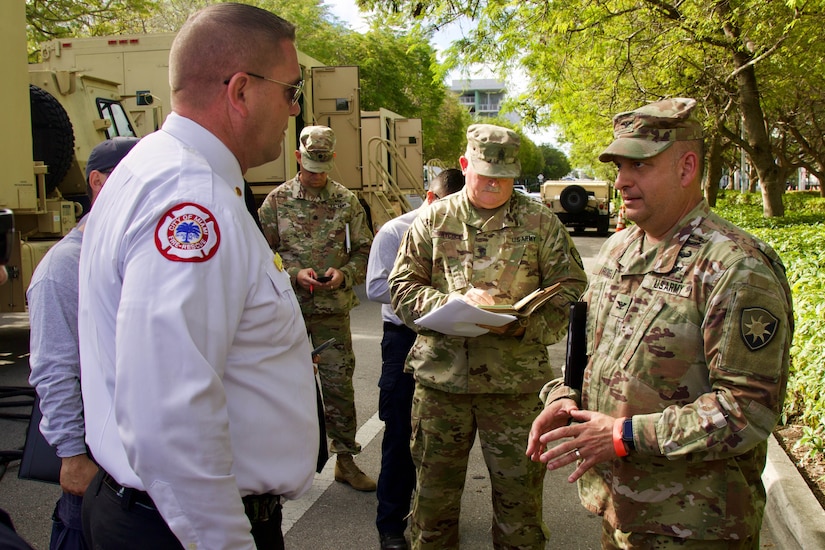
(319, 228)
(689, 329)
(485, 245)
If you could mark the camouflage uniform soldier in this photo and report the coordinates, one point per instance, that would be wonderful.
(689, 330)
(320, 230)
(485, 245)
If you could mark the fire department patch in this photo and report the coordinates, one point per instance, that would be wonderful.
(757, 327)
(187, 232)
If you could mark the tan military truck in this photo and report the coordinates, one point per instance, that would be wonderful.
(379, 154)
(580, 203)
(53, 119)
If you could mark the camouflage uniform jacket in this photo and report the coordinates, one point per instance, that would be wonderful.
(310, 230)
(691, 338)
(449, 248)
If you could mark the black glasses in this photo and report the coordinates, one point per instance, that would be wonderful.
(297, 89)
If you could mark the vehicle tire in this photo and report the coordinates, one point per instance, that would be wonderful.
(603, 225)
(52, 135)
(573, 199)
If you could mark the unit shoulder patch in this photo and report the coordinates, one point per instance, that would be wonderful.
(187, 232)
(757, 327)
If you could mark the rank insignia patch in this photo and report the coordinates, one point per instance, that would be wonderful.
(187, 232)
(757, 327)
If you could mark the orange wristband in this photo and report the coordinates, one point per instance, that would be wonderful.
(618, 444)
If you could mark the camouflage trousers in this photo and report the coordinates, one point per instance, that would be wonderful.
(335, 369)
(614, 539)
(444, 429)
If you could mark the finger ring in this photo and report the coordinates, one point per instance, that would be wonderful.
(578, 454)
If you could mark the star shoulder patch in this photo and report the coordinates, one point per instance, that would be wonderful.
(187, 232)
(757, 327)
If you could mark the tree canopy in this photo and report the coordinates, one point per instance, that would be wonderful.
(556, 165)
(753, 65)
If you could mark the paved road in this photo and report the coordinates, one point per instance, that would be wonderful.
(332, 516)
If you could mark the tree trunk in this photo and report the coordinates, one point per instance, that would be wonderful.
(753, 178)
(760, 153)
(714, 168)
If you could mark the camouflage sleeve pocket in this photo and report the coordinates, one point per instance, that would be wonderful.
(755, 339)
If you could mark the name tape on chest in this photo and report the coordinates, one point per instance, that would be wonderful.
(187, 232)
(667, 285)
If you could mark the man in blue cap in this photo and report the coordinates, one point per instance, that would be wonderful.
(55, 357)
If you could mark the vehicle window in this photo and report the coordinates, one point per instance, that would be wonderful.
(114, 112)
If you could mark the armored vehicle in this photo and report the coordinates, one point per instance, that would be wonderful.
(580, 204)
(54, 117)
(379, 154)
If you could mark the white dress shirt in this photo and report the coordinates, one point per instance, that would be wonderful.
(197, 378)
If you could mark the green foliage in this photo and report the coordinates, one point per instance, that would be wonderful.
(798, 238)
(755, 67)
(49, 19)
(814, 439)
(448, 140)
(556, 165)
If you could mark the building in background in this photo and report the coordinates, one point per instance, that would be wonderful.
(482, 97)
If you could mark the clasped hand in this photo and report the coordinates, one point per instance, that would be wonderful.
(588, 439)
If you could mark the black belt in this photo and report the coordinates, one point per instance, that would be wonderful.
(258, 508)
(127, 495)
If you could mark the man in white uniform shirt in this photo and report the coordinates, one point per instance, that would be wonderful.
(197, 378)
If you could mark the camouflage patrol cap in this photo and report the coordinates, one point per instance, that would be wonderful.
(651, 129)
(317, 149)
(492, 151)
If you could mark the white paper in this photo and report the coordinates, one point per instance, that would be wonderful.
(458, 318)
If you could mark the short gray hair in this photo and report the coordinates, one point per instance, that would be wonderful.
(219, 39)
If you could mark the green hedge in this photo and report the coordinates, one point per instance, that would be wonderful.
(799, 238)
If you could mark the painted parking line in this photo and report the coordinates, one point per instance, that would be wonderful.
(295, 509)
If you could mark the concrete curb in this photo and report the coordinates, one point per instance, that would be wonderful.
(793, 515)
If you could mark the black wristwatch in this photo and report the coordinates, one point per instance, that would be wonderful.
(627, 434)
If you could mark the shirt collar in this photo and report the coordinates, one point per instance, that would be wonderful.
(196, 137)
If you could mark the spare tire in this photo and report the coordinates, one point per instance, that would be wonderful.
(52, 135)
(573, 199)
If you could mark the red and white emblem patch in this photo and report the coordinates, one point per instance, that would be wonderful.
(188, 232)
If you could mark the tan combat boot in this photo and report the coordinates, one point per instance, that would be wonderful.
(347, 472)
